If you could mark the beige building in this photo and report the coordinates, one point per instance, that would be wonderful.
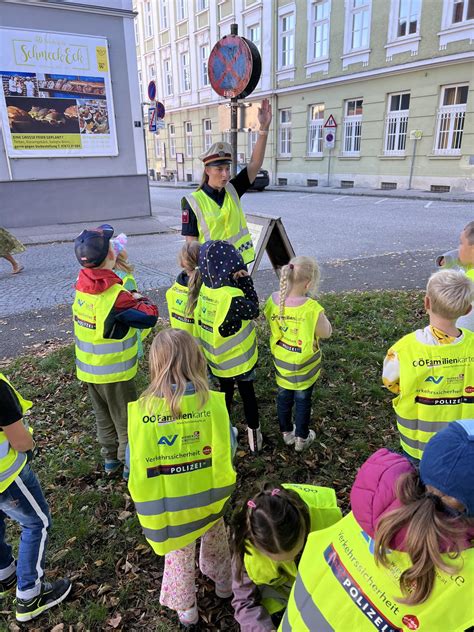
(397, 76)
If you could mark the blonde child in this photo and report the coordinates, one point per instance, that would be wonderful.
(182, 296)
(226, 306)
(181, 472)
(269, 533)
(431, 370)
(297, 322)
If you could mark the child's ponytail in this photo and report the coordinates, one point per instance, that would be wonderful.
(188, 260)
(286, 274)
(427, 523)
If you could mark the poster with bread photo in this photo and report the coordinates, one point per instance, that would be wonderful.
(56, 95)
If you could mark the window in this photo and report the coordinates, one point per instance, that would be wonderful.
(252, 141)
(396, 124)
(167, 77)
(315, 130)
(204, 56)
(462, 10)
(319, 33)
(352, 127)
(163, 4)
(140, 84)
(286, 40)
(172, 140)
(207, 133)
(450, 120)
(151, 71)
(359, 23)
(202, 5)
(137, 32)
(188, 138)
(148, 19)
(185, 73)
(182, 9)
(408, 16)
(285, 133)
(254, 35)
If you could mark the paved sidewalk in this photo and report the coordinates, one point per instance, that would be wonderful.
(36, 235)
(412, 194)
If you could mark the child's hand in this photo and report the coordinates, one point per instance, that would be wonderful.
(240, 273)
(137, 295)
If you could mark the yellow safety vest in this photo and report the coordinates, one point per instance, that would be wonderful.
(226, 222)
(177, 301)
(181, 472)
(102, 360)
(470, 274)
(231, 356)
(11, 461)
(275, 579)
(339, 587)
(436, 387)
(296, 353)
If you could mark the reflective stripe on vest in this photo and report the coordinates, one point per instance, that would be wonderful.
(102, 360)
(181, 472)
(297, 379)
(171, 532)
(12, 461)
(108, 369)
(103, 349)
(435, 383)
(295, 367)
(232, 355)
(312, 616)
(182, 503)
(226, 222)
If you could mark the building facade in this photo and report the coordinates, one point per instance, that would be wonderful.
(397, 76)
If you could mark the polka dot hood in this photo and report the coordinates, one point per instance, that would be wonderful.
(218, 262)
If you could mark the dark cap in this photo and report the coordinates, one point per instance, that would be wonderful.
(92, 245)
(448, 462)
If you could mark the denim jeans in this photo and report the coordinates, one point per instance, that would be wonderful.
(302, 402)
(23, 501)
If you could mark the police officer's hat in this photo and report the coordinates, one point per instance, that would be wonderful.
(217, 154)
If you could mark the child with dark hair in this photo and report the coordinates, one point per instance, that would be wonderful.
(269, 532)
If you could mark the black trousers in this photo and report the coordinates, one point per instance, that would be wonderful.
(247, 393)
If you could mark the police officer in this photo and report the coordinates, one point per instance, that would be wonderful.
(214, 210)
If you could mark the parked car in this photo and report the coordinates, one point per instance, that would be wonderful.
(261, 181)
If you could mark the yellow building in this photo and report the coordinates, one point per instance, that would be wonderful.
(397, 77)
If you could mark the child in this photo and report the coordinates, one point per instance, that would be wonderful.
(9, 245)
(181, 473)
(297, 322)
(22, 500)
(226, 306)
(463, 258)
(269, 533)
(106, 320)
(182, 296)
(403, 559)
(431, 370)
(124, 270)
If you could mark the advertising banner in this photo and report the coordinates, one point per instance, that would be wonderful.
(55, 95)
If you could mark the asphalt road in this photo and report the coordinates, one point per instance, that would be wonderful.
(360, 242)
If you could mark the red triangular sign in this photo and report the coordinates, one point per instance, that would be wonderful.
(330, 122)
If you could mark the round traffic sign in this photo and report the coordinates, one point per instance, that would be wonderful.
(152, 90)
(233, 64)
(329, 137)
(160, 110)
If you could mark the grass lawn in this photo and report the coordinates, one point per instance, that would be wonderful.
(96, 539)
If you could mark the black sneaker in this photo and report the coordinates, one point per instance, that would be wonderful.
(50, 595)
(7, 584)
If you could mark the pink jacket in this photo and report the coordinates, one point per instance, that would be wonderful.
(374, 493)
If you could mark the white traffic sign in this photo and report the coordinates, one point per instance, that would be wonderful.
(330, 122)
(330, 138)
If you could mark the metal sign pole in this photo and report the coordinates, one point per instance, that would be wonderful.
(234, 30)
(412, 166)
(329, 166)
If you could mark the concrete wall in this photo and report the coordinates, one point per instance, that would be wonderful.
(46, 190)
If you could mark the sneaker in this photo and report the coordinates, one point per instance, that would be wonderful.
(301, 444)
(255, 439)
(224, 591)
(51, 595)
(189, 617)
(112, 466)
(289, 437)
(126, 473)
(7, 584)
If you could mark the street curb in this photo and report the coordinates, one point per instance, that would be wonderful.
(400, 195)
